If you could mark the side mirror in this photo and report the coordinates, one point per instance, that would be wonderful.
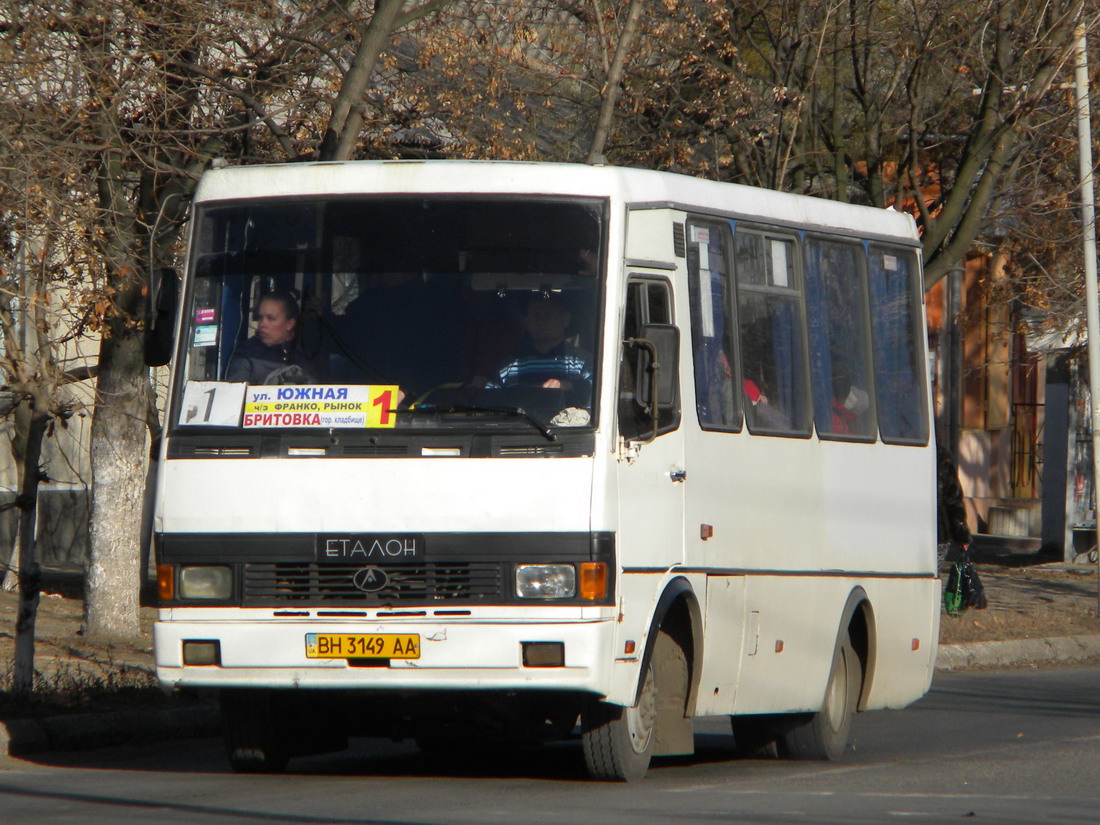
(656, 382)
(161, 300)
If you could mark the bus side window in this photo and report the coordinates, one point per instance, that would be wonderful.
(647, 302)
(773, 360)
(899, 373)
(712, 328)
(840, 361)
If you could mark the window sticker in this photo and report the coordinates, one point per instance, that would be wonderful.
(890, 263)
(205, 315)
(704, 257)
(701, 236)
(206, 336)
(706, 304)
(321, 405)
(779, 264)
(212, 404)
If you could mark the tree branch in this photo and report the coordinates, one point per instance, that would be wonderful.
(342, 131)
(614, 79)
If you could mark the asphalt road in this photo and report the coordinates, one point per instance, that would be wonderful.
(998, 747)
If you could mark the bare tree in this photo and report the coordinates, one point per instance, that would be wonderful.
(928, 107)
(35, 326)
(143, 96)
(284, 64)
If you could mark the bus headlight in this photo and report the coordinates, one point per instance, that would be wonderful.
(546, 581)
(206, 582)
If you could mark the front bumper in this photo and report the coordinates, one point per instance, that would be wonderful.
(458, 655)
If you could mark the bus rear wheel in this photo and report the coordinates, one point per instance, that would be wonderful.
(253, 742)
(618, 742)
(824, 735)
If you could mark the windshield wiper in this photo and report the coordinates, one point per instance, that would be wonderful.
(514, 412)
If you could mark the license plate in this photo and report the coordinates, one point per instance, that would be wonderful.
(362, 646)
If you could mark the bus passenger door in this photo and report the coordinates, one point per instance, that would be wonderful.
(715, 512)
(650, 469)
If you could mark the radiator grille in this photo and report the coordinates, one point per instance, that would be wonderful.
(302, 582)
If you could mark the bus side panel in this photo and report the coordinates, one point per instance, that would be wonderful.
(790, 644)
(803, 505)
(789, 652)
(903, 621)
(724, 634)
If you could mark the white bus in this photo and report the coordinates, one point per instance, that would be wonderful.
(478, 452)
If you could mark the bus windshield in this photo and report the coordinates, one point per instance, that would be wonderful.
(393, 312)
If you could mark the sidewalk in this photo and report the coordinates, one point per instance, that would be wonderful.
(1039, 615)
(1042, 614)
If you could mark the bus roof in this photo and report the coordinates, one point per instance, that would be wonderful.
(632, 187)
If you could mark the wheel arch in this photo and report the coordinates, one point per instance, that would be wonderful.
(679, 613)
(858, 619)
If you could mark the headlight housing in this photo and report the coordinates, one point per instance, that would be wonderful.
(546, 581)
(206, 582)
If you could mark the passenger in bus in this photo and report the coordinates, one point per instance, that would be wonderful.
(272, 355)
(849, 403)
(546, 359)
(760, 412)
(753, 392)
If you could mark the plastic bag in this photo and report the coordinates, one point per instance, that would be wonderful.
(973, 592)
(964, 589)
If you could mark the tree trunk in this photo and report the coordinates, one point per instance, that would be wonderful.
(21, 420)
(22, 681)
(112, 585)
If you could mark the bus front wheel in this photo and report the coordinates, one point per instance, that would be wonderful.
(824, 735)
(618, 742)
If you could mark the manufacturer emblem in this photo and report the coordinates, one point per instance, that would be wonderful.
(370, 579)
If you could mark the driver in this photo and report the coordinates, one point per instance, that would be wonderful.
(546, 359)
(271, 355)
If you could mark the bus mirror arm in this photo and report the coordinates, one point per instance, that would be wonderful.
(648, 390)
(656, 384)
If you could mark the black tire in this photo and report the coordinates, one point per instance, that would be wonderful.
(253, 741)
(618, 742)
(824, 735)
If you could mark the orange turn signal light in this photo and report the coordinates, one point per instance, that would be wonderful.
(166, 582)
(593, 580)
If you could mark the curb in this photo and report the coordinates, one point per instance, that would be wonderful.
(1017, 652)
(83, 731)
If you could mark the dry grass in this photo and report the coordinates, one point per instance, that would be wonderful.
(73, 673)
(1028, 603)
